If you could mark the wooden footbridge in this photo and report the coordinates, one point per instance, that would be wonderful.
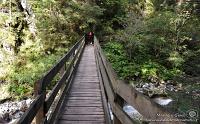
(88, 92)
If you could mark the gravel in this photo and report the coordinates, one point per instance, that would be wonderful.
(12, 111)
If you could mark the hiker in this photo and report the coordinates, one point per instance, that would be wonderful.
(89, 38)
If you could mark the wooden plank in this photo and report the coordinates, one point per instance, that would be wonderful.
(86, 80)
(83, 117)
(82, 98)
(86, 59)
(82, 109)
(86, 90)
(83, 113)
(81, 122)
(86, 65)
(89, 86)
(85, 95)
(89, 72)
(86, 77)
(82, 64)
(84, 105)
(85, 87)
(86, 83)
(86, 74)
(89, 69)
(74, 102)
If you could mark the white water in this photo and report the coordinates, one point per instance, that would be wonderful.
(162, 101)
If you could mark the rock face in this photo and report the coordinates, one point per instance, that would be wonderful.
(10, 111)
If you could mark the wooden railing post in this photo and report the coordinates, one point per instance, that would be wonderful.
(118, 100)
(116, 120)
(40, 114)
(62, 71)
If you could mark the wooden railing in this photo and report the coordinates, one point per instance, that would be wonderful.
(44, 108)
(118, 92)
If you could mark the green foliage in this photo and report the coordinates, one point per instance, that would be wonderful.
(158, 45)
(117, 56)
(112, 19)
(141, 67)
(27, 71)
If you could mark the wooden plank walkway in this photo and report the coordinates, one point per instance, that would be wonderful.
(84, 102)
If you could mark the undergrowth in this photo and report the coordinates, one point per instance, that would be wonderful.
(142, 67)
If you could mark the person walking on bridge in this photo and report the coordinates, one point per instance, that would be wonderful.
(89, 38)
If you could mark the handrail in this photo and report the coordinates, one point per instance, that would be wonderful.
(118, 92)
(42, 104)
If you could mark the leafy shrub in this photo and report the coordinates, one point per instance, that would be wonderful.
(138, 67)
(117, 56)
(160, 45)
(25, 73)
